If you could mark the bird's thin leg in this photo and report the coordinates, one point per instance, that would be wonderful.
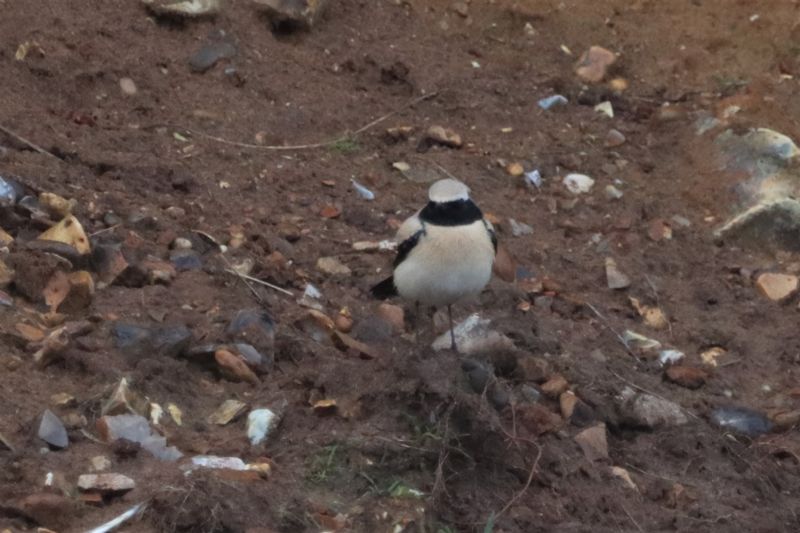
(452, 330)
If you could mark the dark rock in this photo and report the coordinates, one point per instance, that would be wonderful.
(255, 327)
(52, 430)
(170, 341)
(255, 359)
(185, 260)
(46, 509)
(478, 374)
(373, 329)
(741, 420)
(219, 45)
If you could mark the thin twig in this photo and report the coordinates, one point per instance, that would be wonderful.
(635, 523)
(651, 393)
(26, 142)
(608, 326)
(104, 230)
(242, 278)
(524, 489)
(322, 144)
(259, 281)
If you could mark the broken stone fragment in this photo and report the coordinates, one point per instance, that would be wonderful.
(593, 442)
(226, 413)
(123, 401)
(52, 430)
(136, 429)
(615, 278)
(69, 231)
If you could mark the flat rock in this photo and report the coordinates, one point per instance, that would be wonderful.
(593, 442)
(777, 287)
(226, 413)
(52, 430)
(106, 483)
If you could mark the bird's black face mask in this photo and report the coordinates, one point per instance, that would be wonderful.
(455, 213)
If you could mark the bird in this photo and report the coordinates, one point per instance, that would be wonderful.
(445, 253)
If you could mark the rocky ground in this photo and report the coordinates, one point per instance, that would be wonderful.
(194, 208)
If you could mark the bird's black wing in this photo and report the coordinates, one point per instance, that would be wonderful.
(386, 288)
(405, 247)
(492, 235)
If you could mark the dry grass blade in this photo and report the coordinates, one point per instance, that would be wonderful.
(322, 144)
(26, 142)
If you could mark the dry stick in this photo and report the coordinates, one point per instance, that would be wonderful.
(259, 281)
(608, 326)
(635, 523)
(651, 393)
(26, 142)
(524, 489)
(323, 144)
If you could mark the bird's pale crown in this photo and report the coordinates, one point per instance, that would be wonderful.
(448, 190)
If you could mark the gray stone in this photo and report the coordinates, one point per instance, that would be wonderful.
(651, 412)
(52, 430)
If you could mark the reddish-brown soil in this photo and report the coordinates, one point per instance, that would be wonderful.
(407, 418)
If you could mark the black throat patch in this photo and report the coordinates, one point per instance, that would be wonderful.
(455, 213)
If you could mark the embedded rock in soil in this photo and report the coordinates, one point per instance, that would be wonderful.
(650, 412)
(741, 420)
(593, 64)
(292, 13)
(136, 429)
(106, 483)
(615, 278)
(169, 341)
(183, 8)
(226, 413)
(217, 46)
(593, 442)
(473, 336)
(777, 287)
(254, 327)
(687, 376)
